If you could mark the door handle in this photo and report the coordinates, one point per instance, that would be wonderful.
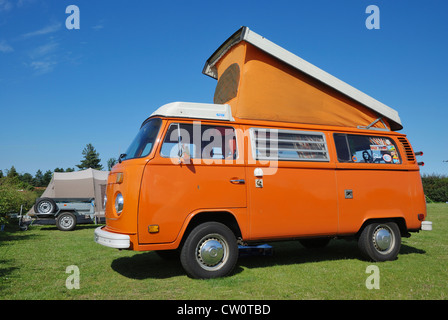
(237, 181)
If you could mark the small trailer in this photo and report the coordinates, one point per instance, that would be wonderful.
(71, 197)
(66, 211)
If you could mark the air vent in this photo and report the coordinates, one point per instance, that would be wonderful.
(407, 147)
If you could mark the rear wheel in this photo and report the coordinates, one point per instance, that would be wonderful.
(66, 221)
(210, 251)
(380, 241)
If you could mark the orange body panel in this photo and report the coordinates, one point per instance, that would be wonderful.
(301, 199)
(170, 193)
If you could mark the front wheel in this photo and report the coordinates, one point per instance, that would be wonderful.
(380, 241)
(210, 251)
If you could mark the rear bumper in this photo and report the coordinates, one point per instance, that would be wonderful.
(426, 225)
(112, 240)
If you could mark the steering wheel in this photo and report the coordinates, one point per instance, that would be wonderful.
(366, 156)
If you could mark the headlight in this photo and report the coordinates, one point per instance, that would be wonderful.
(119, 203)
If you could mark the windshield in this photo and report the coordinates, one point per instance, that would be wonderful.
(144, 141)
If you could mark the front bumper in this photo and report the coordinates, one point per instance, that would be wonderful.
(110, 239)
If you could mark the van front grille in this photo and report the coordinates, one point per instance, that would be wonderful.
(407, 147)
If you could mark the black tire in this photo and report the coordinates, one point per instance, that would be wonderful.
(315, 243)
(380, 241)
(210, 251)
(45, 206)
(66, 221)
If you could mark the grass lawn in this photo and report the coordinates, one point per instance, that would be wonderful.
(33, 266)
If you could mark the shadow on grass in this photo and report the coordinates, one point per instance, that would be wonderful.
(147, 265)
(5, 271)
(150, 266)
(12, 233)
(78, 227)
(291, 252)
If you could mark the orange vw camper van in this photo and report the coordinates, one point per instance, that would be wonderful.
(286, 151)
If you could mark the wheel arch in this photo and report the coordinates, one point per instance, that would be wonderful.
(400, 221)
(225, 217)
(61, 211)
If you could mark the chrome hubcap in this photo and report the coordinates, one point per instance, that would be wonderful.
(383, 239)
(212, 252)
(66, 222)
(45, 207)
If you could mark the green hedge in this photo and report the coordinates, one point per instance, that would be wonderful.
(435, 187)
(14, 194)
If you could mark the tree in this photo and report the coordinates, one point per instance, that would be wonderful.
(12, 173)
(27, 178)
(47, 178)
(91, 159)
(111, 162)
(62, 170)
(38, 179)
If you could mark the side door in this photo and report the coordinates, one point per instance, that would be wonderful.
(291, 184)
(209, 176)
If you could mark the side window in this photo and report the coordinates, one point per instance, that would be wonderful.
(342, 149)
(366, 149)
(200, 141)
(273, 144)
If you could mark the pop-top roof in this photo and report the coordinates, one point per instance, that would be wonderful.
(244, 34)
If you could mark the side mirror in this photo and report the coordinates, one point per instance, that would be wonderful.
(184, 154)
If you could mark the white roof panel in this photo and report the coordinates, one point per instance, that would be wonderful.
(195, 110)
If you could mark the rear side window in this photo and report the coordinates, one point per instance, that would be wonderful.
(200, 141)
(366, 149)
(289, 145)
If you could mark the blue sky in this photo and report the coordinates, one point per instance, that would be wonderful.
(61, 89)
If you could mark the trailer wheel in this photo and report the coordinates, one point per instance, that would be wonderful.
(45, 206)
(210, 251)
(380, 241)
(66, 221)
